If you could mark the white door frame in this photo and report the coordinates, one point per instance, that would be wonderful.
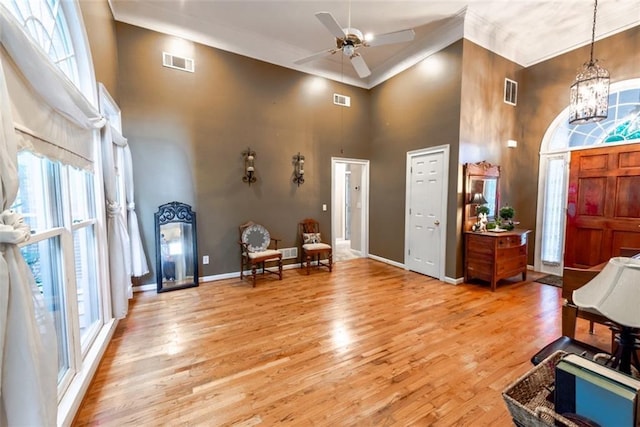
(364, 223)
(444, 149)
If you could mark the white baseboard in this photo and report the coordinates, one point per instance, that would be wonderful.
(214, 278)
(386, 261)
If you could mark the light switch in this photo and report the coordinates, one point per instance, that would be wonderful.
(324, 207)
(205, 259)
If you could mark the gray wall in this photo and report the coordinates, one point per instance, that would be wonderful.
(187, 132)
(416, 109)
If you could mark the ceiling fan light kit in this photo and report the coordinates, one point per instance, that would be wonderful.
(349, 40)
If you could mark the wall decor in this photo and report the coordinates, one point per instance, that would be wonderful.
(249, 166)
(298, 169)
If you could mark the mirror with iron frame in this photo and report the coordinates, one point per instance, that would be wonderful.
(176, 247)
(481, 190)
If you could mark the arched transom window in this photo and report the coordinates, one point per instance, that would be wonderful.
(45, 22)
(622, 124)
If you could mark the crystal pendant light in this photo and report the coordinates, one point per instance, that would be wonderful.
(590, 92)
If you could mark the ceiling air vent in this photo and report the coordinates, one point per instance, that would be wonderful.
(510, 92)
(343, 100)
(178, 62)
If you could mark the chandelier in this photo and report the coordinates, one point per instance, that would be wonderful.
(590, 92)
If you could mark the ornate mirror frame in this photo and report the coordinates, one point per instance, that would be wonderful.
(176, 247)
(482, 177)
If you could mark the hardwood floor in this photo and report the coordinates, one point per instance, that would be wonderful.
(369, 344)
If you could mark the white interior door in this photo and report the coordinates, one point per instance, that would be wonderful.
(427, 172)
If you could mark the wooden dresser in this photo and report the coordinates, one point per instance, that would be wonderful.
(493, 256)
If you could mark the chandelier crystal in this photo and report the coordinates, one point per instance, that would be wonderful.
(589, 99)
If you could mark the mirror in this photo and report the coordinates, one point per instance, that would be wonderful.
(481, 178)
(176, 247)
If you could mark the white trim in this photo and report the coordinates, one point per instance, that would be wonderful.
(364, 224)
(444, 149)
(84, 60)
(72, 398)
(387, 261)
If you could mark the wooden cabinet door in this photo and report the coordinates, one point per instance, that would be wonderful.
(603, 210)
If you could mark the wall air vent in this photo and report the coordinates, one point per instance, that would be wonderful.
(178, 62)
(289, 253)
(342, 100)
(510, 92)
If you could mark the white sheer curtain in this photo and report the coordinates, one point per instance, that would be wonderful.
(139, 265)
(28, 349)
(554, 213)
(119, 244)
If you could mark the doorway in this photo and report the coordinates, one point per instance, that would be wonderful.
(426, 210)
(349, 208)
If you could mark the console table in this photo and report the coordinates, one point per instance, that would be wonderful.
(492, 256)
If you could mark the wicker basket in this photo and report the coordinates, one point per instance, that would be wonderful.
(528, 399)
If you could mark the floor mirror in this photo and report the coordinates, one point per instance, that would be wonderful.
(176, 247)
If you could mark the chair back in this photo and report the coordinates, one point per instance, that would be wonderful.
(309, 225)
(254, 237)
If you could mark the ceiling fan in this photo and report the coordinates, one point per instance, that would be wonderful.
(349, 40)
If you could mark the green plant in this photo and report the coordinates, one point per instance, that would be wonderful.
(491, 225)
(507, 213)
(482, 209)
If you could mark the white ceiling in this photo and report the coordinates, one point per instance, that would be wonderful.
(283, 31)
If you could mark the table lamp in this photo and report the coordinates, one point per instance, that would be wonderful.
(478, 199)
(615, 293)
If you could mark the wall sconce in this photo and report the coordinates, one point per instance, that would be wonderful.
(298, 169)
(249, 168)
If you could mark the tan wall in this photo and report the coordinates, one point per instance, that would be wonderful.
(486, 123)
(187, 132)
(101, 32)
(416, 109)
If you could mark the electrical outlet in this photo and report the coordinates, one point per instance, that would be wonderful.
(205, 259)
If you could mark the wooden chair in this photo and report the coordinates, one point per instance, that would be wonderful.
(312, 247)
(255, 253)
(574, 278)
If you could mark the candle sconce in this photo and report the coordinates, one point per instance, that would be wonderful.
(298, 169)
(249, 168)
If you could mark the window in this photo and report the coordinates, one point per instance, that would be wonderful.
(46, 23)
(85, 253)
(60, 205)
(39, 201)
(621, 125)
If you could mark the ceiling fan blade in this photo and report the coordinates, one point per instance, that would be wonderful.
(332, 25)
(388, 38)
(360, 66)
(315, 56)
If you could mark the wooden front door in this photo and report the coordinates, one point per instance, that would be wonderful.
(603, 210)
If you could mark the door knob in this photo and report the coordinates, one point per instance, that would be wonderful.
(436, 222)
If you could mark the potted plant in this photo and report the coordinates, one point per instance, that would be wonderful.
(506, 214)
(482, 209)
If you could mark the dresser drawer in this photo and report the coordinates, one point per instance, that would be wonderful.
(512, 252)
(512, 241)
(480, 244)
(511, 264)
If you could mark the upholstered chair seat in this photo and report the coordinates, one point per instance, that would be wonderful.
(255, 252)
